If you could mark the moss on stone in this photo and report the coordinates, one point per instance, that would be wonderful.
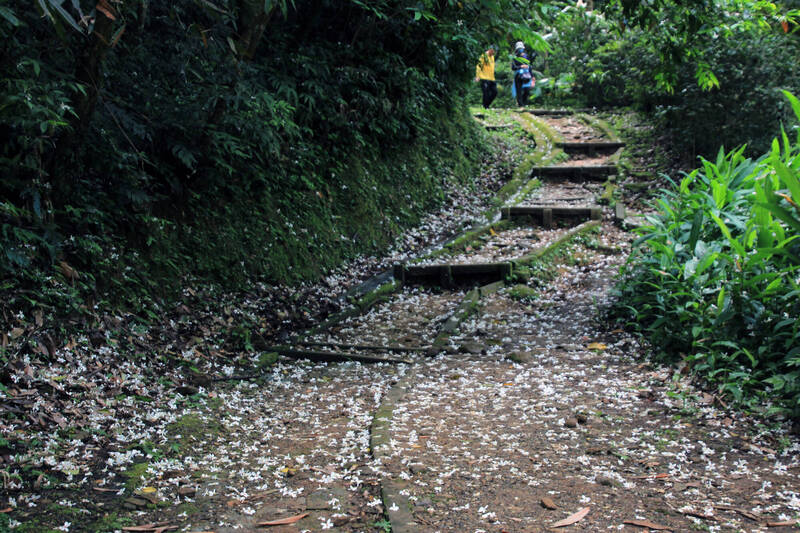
(522, 293)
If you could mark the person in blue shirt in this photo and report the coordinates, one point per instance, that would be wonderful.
(523, 78)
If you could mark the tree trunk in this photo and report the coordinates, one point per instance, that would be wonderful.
(88, 73)
(252, 23)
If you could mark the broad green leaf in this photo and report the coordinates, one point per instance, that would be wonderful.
(783, 214)
(794, 102)
(789, 178)
(735, 244)
(749, 355)
(706, 262)
(777, 282)
(720, 193)
(690, 267)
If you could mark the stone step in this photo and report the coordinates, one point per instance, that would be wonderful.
(549, 112)
(548, 214)
(452, 275)
(592, 146)
(599, 172)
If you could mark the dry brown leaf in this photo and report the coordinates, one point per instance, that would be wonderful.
(743, 512)
(103, 7)
(154, 527)
(651, 476)
(698, 514)
(784, 523)
(647, 524)
(70, 273)
(747, 514)
(571, 519)
(283, 521)
(548, 503)
(6, 510)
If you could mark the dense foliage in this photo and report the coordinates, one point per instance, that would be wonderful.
(232, 141)
(722, 86)
(715, 280)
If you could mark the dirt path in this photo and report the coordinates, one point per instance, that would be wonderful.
(528, 409)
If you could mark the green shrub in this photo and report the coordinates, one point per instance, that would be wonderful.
(715, 277)
(729, 97)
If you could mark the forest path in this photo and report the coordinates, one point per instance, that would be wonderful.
(527, 410)
(520, 406)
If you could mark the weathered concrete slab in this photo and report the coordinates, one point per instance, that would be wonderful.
(447, 275)
(619, 211)
(546, 215)
(594, 146)
(550, 112)
(575, 172)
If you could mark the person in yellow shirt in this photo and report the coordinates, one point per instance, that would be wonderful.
(484, 73)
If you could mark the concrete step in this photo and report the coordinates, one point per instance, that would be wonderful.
(593, 146)
(597, 172)
(546, 215)
(452, 275)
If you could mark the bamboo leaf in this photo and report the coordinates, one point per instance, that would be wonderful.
(6, 13)
(65, 16)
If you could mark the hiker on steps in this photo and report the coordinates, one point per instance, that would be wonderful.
(484, 73)
(523, 78)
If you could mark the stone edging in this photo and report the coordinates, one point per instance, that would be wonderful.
(398, 508)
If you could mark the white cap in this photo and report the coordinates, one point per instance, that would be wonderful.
(519, 45)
